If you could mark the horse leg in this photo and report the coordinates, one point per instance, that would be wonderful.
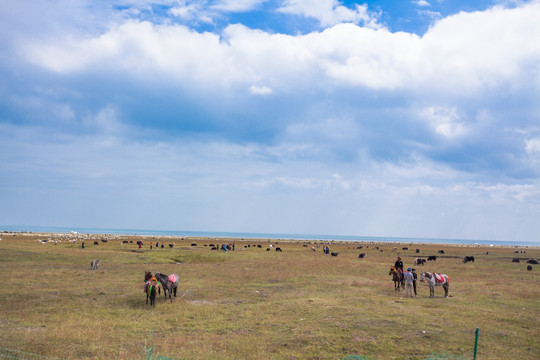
(445, 287)
(175, 291)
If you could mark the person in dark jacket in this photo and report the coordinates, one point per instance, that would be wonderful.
(414, 281)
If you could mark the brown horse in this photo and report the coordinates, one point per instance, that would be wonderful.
(397, 277)
(151, 286)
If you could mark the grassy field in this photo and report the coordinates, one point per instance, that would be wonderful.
(258, 304)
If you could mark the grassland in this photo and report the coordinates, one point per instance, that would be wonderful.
(258, 304)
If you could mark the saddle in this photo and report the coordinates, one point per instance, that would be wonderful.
(153, 282)
(439, 278)
(173, 278)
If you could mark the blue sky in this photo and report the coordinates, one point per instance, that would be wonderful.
(378, 118)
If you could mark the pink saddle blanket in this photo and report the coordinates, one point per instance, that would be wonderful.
(439, 278)
(173, 278)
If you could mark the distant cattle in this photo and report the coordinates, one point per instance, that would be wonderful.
(529, 267)
(516, 260)
(532, 261)
(362, 255)
(419, 261)
(259, 245)
(278, 249)
(404, 248)
(104, 240)
(171, 245)
(193, 244)
(334, 253)
(467, 259)
(417, 251)
(360, 247)
(96, 243)
(267, 249)
(124, 242)
(440, 252)
(432, 258)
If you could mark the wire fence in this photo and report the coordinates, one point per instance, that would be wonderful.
(149, 354)
(10, 354)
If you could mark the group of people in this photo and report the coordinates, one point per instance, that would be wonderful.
(409, 278)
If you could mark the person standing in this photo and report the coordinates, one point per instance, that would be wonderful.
(409, 278)
(414, 281)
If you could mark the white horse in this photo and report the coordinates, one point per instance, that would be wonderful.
(433, 280)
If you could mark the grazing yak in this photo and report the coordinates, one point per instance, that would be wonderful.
(94, 264)
(278, 249)
(467, 259)
(532, 261)
(529, 267)
(334, 253)
(516, 260)
(432, 258)
(419, 261)
(440, 252)
(362, 255)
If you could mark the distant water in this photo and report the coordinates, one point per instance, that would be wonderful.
(241, 235)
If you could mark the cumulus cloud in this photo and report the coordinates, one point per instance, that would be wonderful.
(194, 12)
(422, 3)
(445, 121)
(463, 53)
(331, 12)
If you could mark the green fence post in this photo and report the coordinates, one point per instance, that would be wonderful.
(476, 343)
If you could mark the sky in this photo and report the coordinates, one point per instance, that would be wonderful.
(379, 118)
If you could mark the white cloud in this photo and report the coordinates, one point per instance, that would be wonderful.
(260, 90)
(532, 146)
(331, 12)
(237, 5)
(422, 3)
(445, 121)
(193, 12)
(461, 54)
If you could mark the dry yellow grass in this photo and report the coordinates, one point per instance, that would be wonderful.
(258, 304)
